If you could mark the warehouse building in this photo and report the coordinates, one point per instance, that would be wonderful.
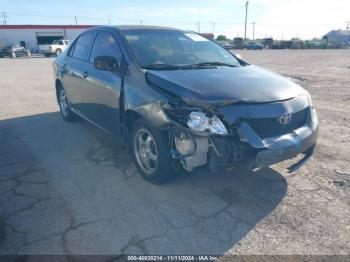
(31, 36)
(339, 37)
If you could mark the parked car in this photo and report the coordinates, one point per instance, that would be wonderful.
(238, 43)
(267, 42)
(254, 46)
(179, 100)
(13, 51)
(56, 48)
(225, 44)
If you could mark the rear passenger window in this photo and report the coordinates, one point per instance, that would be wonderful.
(82, 45)
(105, 45)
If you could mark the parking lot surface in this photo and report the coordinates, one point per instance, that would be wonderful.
(69, 188)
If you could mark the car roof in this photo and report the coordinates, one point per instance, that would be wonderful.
(144, 27)
(137, 27)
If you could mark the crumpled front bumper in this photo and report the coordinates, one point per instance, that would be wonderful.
(277, 149)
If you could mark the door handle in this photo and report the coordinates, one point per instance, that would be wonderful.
(85, 74)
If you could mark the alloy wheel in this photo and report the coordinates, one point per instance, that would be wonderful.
(146, 151)
(64, 103)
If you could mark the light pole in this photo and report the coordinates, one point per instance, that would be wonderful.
(4, 16)
(246, 17)
(254, 31)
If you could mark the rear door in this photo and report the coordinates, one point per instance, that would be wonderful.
(75, 67)
(102, 88)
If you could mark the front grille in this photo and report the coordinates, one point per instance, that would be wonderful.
(271, 127)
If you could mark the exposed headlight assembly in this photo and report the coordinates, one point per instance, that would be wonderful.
(308, 98)
(314, 117)
(199, 122)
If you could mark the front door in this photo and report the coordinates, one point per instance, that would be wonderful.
(102, 88)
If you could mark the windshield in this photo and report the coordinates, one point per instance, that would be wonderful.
(170, 49)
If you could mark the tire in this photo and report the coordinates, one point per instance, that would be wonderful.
(151, 152)
(58, 52)
(65, 109)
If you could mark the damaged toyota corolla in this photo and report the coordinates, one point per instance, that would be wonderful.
(179, 100)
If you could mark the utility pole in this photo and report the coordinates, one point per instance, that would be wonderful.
(198, 27)
(246, 17)
(109, 20)
(253, 30)
(4, 16)
(76, 20)
(213, 28)
(347, 25)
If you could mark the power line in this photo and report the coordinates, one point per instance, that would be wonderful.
(297, 25)
(6, 14)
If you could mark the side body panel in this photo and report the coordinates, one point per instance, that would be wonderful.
(100, 102)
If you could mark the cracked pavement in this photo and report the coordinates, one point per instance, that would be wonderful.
(69, 188)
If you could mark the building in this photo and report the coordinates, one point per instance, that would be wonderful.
(338, 37)
(31, 36)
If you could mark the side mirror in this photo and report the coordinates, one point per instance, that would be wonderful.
(106, 63)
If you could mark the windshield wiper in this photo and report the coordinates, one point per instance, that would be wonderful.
(206, 64)
(176, 67)
(161, 67)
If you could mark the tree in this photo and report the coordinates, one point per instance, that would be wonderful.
(221, 38)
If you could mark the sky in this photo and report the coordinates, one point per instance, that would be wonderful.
(280, 19)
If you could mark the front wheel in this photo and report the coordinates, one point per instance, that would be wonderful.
(151, 152)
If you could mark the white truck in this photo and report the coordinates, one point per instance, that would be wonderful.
(56, 48)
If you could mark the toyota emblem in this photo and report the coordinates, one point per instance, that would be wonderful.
(285, 118)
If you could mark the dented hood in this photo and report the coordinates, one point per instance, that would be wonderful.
(246, 83)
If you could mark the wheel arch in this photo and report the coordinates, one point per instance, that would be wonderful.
(58, 87)
(152, 113)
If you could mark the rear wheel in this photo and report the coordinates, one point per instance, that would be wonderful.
(65, 108)
(58, 52)
(151, 152)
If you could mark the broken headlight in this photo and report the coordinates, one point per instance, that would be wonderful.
(308, 98)
(199, 122)
(314, 118)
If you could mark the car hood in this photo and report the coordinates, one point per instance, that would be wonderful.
(246, 83)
